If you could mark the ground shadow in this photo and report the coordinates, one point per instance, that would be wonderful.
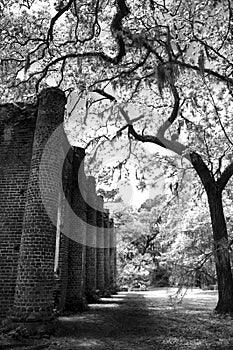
(147, 320)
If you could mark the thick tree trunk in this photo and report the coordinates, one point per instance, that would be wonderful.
(221, 250)
(214, 190)
(222, 256)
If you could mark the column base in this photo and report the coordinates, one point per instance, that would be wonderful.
(114, 290)
(20, 330)
(30, 315)
(107, 293)
(77, 305)
(92, 297)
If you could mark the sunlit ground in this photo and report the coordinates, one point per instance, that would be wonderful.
(155, 319)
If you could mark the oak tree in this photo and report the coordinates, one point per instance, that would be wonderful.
(172, 59)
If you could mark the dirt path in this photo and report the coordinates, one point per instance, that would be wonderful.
(146, 320)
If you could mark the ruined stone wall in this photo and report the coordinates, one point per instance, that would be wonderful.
(35, 276)
(17, 126)
(91, 240)
(77, 244)
(54, 231)
(100, 276)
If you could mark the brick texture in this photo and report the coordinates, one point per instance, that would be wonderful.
(17, 127)
(55, 239)
(91, 255)
(75, 299)
(34, 297)
(112, 284)
(100, 277)
(106, 252)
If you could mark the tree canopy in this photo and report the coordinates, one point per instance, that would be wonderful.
(170, 59)
(123, 42)
(156, 72)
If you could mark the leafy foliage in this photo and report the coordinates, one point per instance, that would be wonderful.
(156, 72)
(169, 239)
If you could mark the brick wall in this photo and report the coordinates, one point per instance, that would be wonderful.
(52, 240)
(106, 252)
(61, 265)
(91, 256)
(17, 127)
(100, 277)
(75, 299)
(112, 257)
(34, 295)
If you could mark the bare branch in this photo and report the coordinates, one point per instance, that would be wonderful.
(145, 138)
(159, 139)
(56, 17)
(206, 70)
(216, 51)
(204, 260)
(125, 115)
(105, 94)
(173, 115)
(100, 55)
(96, 140)
(225, 177)
(203, 172)
(116, 27)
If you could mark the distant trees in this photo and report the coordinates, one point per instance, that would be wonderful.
(169, 239)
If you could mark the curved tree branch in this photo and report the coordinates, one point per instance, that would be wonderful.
(145, 138)
(225, 177)
(105, 94)
(203, 172)
(174, 113)
(101, 55)
(56, 17)
(206, 70)
(116, 28)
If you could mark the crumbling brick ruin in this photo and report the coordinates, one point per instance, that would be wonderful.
(57, 243)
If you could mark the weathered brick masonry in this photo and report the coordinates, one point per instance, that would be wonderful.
(100, 270)
(56, 248)
(91, 247)
(17, 126)
(77, 247)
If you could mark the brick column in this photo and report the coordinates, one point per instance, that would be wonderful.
(115, 260)
(100, 247)
(75, 299)
(91, 256)
(61, 266)
(112, 257)
(17, 128)
(106, 252)
(62, 274)
(34, 299)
